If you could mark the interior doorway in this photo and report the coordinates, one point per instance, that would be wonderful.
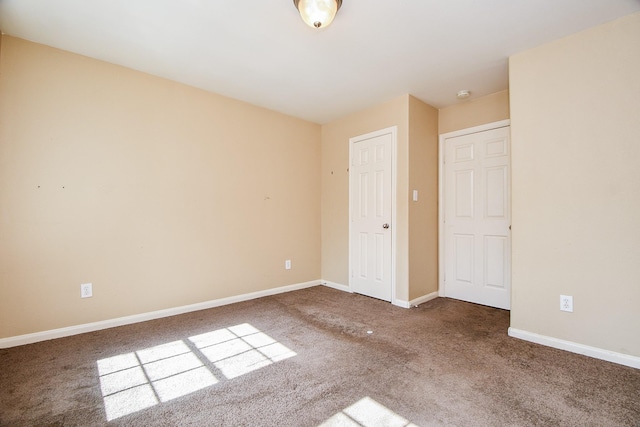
(475, 215)
(372, 214)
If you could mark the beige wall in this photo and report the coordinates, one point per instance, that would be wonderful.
(474, 112)
(159, 194)
(575, 108)
(335, 188)
(423, 214)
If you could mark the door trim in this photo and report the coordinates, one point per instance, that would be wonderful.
(393, 130)
(442, 138)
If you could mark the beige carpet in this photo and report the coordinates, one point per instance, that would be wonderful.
(306, 358)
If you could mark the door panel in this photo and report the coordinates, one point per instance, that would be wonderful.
(464, 193)
(371, 205)
(494, 257)
(477, 243)
(463, 258)
(496, 192)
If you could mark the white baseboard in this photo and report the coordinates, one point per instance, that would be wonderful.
(424, 298)
(337, 286)
(416, 301)
(595, 352)
(397, 302)
(143, 317)
(401, 303)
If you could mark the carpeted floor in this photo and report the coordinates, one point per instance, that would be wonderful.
(306, 358)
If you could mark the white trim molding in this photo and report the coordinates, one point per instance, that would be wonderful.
(143, 317)
(396, 302)
(335, 285)
(416, 301)
(400, 303)
(423, 299)
(595, 352)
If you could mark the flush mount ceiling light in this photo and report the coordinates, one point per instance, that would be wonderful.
(463, 94)
(318, 13)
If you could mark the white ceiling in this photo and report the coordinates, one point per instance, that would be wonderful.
(261, 52)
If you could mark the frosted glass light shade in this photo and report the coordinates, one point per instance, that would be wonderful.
(318, 13)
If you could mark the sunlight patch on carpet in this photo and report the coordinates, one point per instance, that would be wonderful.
(240, 349)
(135, 381)
(367, 413)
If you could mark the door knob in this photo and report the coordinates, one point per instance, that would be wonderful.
(385, 225)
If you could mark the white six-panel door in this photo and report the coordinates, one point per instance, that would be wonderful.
(477, 243)
(370, 205)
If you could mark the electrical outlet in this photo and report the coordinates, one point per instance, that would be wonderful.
(287, 264)
(86, 290)
(566, 303)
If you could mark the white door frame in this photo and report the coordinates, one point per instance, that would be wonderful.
(393, 130)
(441, 236)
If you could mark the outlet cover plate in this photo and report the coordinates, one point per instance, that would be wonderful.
(86, 290)
(566, 303)
(287, 264)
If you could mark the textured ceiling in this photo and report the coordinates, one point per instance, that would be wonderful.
(261, 52)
